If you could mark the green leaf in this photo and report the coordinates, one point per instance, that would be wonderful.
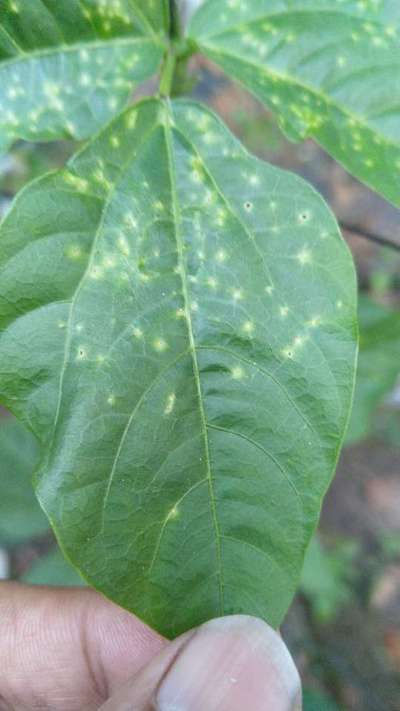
(20, 514)
(179, 330)
(52, 569)
(327, 577)
(378, 364)
(329, 69)
(67, 66)
(315, 701)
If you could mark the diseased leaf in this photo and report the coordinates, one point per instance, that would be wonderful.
(67, 66)
(20, 514)
(330, 69)
(179, 330)
(378, 364)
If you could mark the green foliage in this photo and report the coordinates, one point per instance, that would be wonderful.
(329, 69)
(67, 66)
(314, 701)
(52, 569)
(378, 364)
(190, 398)
(20, 515)
(327, 577)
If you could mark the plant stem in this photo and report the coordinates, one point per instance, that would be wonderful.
(175, 29)
(174, 75)
(168, 73)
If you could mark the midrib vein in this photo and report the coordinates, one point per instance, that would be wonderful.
(192, 345)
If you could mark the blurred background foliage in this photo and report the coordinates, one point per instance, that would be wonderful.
(344, 625)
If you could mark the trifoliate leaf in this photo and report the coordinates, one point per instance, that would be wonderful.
(179, 330)
(329, 69)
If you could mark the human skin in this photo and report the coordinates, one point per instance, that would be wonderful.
(67, 649)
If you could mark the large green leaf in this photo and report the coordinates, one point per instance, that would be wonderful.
(378, 365)
(330, 69)
(67, 66)
(179, 330)
(20, 514)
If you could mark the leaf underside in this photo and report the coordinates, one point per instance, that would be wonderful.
(66, 67)
(329, 69)
(178, 329)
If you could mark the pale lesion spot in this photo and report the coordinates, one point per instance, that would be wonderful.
(81, 184)
(221, 255)
(283, 311)
(137, 332)
(237, 294)
(212, 282)
(172, 514)
(297, 343)
(131, 120)
(73, 251)
(96, 273)
(254, 180)
(160, 345)
(109, 261)
(304, 216)
(84, 79)
(269, 289)
(82, 353)
(111, 400)
(238, 373)
(248, 327)
(221, 217)
(123, 246)
(170, 404)
(115, 141)
(304, 256)
(313, 322)
(158, 206)
(130, 220)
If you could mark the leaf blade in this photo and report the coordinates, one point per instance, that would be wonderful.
(174, 331)
(66, 70)
(324, 70)
(20, 514)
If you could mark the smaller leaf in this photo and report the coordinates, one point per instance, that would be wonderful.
(53, 569)
(326, 577)
(64, 73)
(378, 365)
(20, 514)
(328, 70)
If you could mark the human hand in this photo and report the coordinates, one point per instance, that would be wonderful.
(71, 649)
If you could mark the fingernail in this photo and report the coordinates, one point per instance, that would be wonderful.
(231, 664)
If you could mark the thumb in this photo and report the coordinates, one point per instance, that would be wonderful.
(229, 664)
